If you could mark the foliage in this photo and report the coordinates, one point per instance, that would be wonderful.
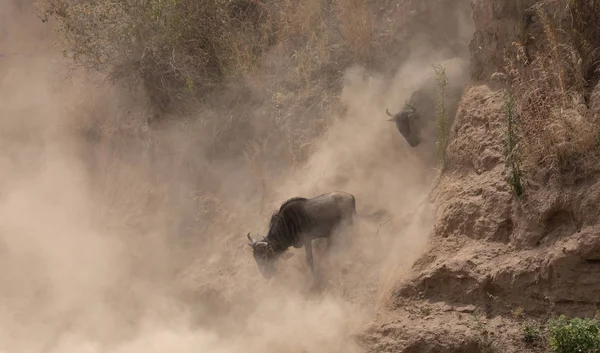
(531, 333)
(576, 335)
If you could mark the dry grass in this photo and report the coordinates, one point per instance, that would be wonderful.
(169, 44)
(186, 48)
(583, 18)
(355, 24)
(215, 58)
(550, 86)
(228, 63)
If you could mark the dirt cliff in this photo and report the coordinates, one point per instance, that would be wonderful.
(496, 259)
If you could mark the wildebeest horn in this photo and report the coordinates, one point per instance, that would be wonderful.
(252, 241)
(388, 113)
(411, 107)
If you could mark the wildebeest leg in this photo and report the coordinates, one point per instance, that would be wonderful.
(309, 255)
(315, 280)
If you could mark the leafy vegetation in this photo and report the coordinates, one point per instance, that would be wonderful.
(511, 152)
(531, 333)
(579, 335)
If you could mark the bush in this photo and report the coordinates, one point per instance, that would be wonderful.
(530, 333)
(574, 335)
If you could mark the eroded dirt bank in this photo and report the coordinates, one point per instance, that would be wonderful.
(125, 233)
(498, 261)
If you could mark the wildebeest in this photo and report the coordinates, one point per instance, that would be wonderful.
(407, 122)
(298, 221)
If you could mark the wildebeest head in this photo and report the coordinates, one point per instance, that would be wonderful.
(408, 112)
(265, 256)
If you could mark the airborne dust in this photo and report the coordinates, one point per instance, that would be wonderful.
(89, 196)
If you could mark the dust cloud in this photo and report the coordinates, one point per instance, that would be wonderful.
(89, 196)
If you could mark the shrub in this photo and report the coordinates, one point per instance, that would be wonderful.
(530, 333)
(574, 335)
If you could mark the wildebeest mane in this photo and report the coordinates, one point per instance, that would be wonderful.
(286, 222)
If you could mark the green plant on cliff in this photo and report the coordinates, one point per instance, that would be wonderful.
(443, 125)
(511, 150)
(575, 335)
(531, 333)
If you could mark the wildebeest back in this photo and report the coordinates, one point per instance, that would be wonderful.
(327, 210)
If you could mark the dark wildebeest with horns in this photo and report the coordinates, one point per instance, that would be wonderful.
(298, 221)
(407, 122)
